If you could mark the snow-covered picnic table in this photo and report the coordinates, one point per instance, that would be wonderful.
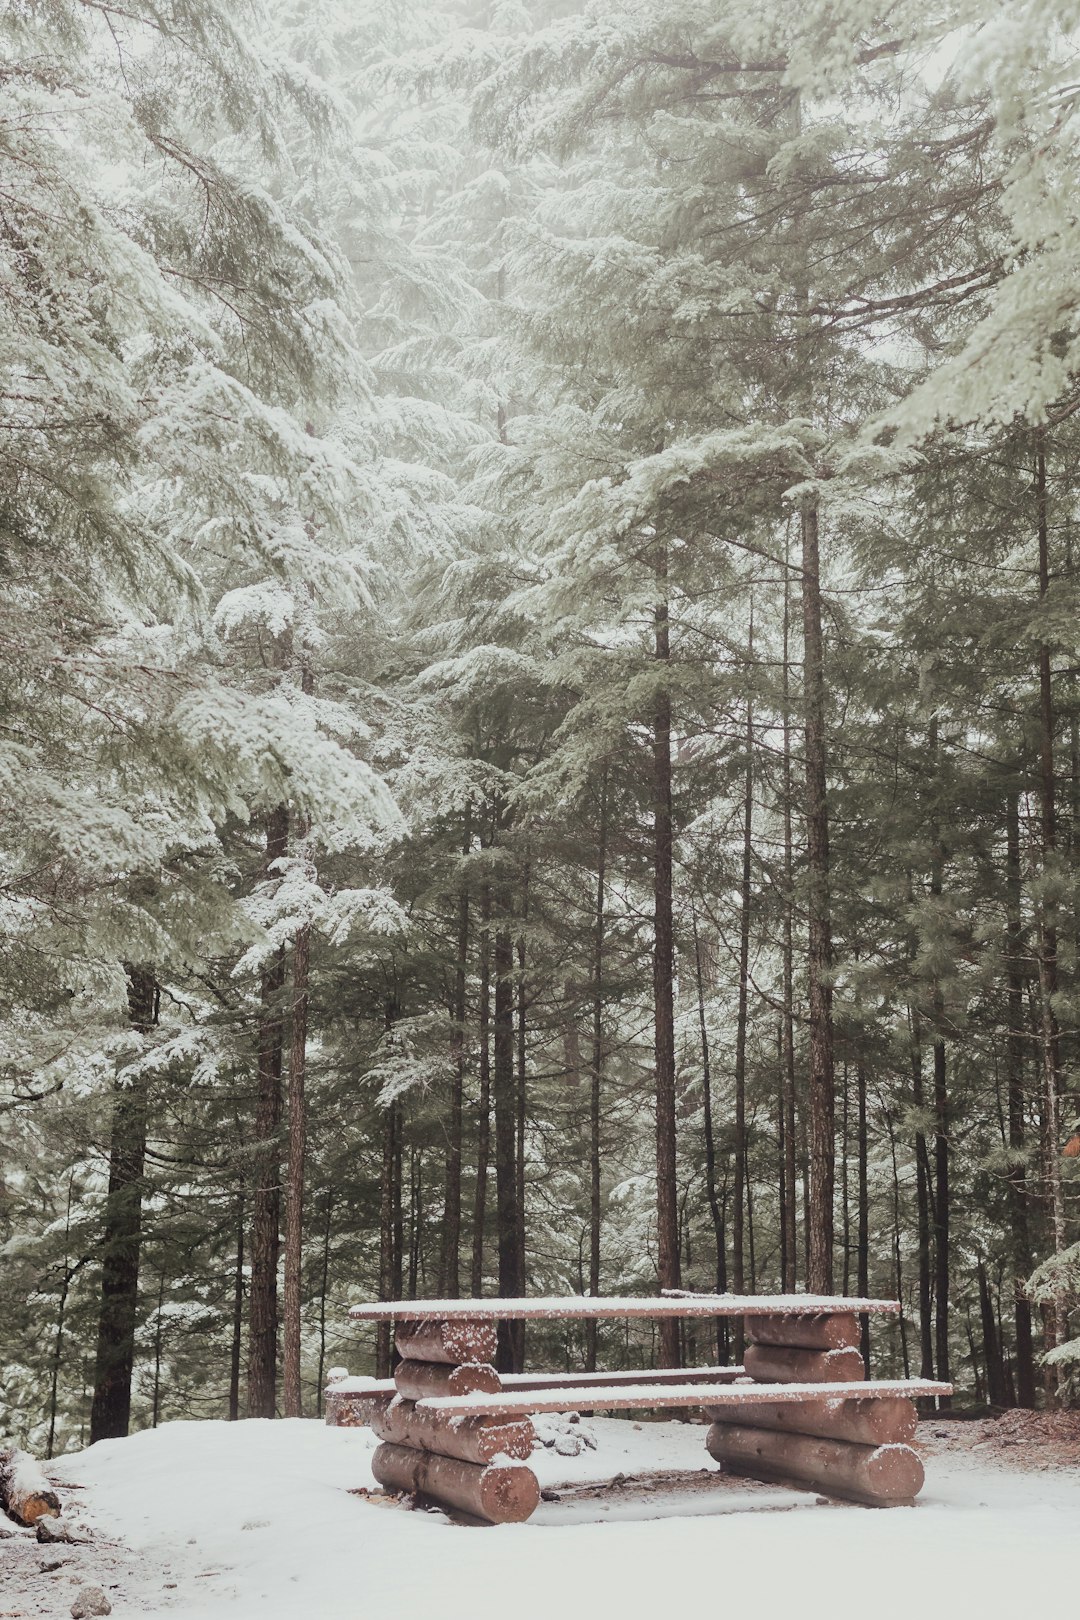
(799, 1410)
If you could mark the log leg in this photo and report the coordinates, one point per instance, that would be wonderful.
(880, 1476)
(498, 1493)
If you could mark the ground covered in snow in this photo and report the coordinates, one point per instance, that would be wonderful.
(201, 1520)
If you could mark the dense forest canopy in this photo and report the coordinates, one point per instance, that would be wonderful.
(538, 669)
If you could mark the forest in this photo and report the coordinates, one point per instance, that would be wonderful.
(539, 684)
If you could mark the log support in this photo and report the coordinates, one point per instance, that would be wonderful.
(470, 1464)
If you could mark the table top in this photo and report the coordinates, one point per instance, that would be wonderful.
(591, 1307)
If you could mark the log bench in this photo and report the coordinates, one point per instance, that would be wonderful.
(799, 1412)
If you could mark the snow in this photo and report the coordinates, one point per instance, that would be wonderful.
(256, 1519)
(593, 1307)
(676, 1395)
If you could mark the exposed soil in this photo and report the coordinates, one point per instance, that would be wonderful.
(1025, 1440)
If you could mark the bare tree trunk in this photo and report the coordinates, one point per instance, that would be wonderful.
(517, 1337)
(505, 1165)
(483, 1133)
(324, 1285)
(742, 1190)
(790, 1267)
(862, 1235)
(238, 1312)
(716, 1207)
(898, 1270)
(995, 1368)
(1056, 1316)
(667, 1209)
(1018, 1189)
(292, 1398)
(450, 1260)
(596, 1072)
(110, 1414)
(922, 1198)
(822, 1110)
(266, 1192)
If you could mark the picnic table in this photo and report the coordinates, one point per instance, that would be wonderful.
(799, 1411)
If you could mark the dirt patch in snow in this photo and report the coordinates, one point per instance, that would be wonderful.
(1031, 1441)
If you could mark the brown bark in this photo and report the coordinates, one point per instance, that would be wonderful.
(716, 1208)
(292, 1400)
(451, 1342)
(110, 1414)
(499, 1495)
(879, 1421)
(862, 1232)
(419, 1380)
(450, 1257)
(995, 1367)
(509, 1272)
(266, 1191)
(775, 1364)
(879, 1475)
(824, 1332)
(922, 1204)
(822, 1109)
(596, 1072)
(787, 1084)
(741, 1194)
(471, 1439)
(483, 1131)
(1018, 1188)
(667, 1210)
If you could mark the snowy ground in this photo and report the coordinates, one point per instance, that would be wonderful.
(215, 1521)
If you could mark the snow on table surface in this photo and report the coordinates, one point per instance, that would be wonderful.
(256, 1521)
(593, 1307)
(676, 1395)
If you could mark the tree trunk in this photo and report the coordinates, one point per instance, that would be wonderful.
(942, 1211)
(742, 1189)
(505, 1116)
(294, 1180)
(238, 1313)
(483, 1131)
(716, 1207)
(790, 1266)
(922, 1204)
(1055, 1317)
(1018, 1190)
(450, 1259)
(822, 1109)
(324, 1285)
(266, 1193)
(667, 1211)
(110, 1413)
(862, 1234)
(995, 1367)
(596, 1073)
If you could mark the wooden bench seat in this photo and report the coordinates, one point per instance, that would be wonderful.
(573, 1395)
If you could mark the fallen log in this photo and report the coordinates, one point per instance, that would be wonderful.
(826, 1332)
(869, 1422)
(25, 1494)
(504, 1493)
(417, 1379)
(774, 1364)
(453, 1342)
(470, 1439)
(881, 1476)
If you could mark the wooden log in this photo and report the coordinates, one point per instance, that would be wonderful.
(500, 1493)
(831, 1331)
(472, 1439)
(881, 1476)
(417, 1379)
(451, 1342)
(25, 1494)
(354, 1409)
(774, 1364)
(869, 1422)
(656, 1377)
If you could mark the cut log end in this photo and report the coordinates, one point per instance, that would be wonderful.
(25, 1494)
